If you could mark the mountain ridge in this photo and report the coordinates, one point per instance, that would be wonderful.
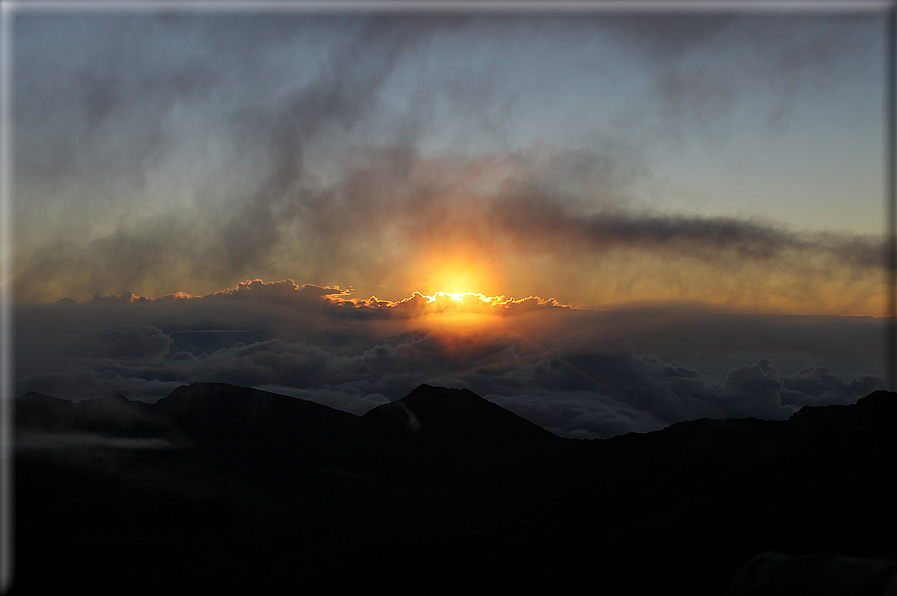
(448, 485)
(200, 405)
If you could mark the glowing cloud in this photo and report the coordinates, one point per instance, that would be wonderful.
(335, 299)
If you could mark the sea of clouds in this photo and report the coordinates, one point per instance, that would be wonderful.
(577, 372)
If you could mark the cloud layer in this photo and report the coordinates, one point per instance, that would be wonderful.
(579, 373)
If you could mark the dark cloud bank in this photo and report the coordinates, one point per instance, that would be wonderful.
(578, 373)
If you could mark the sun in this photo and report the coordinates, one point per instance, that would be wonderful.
(467, 271)
(457, 296)
(451, 303)
(460, 314)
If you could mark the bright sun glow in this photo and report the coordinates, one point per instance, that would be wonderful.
(460, 296)
(455, 313)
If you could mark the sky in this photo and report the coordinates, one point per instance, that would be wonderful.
(605, 222)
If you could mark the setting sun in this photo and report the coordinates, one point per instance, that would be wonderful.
(460, 296)
(467, 268)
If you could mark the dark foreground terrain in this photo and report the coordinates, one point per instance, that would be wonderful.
(222, 489)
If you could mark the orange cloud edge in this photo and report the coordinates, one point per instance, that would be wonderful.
(288, 292)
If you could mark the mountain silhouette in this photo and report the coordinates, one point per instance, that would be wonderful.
(263, 492)
(436, 429)
(112, 415)
(219, 412)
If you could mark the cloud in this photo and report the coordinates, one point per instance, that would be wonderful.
(527, 213)
(137, 342)
(709, 65)
(337, 301)
(280, 292)
(155, 159)
(29, 441)
(640, 393)
(517, 239)
(816, 386)
(123, 298)
(418, 305)
(580, 373)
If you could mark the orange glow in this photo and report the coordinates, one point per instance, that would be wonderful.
(472, 297)
(455, 260)
(463, 303)
(457, 279)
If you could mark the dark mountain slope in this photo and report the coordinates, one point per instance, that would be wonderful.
(113, 415)
(817, 482)
(218, 412)
(436, 429)
(443, 486)
(206, 413)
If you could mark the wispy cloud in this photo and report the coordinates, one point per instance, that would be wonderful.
(440, 218)
(403, 151)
